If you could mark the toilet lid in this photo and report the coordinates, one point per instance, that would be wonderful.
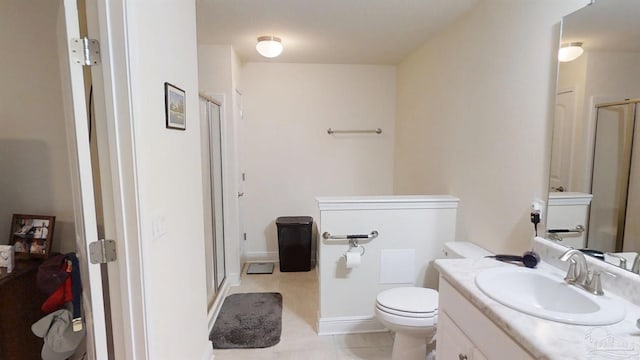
(409, 300)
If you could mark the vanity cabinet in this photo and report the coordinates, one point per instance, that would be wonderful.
(465, 333)
(453, 343)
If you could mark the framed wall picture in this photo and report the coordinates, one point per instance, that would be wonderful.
(174, 104)
(31, 235)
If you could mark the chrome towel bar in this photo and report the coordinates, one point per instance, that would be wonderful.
(332, 131)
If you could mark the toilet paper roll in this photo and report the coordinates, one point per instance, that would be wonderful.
(353, 259)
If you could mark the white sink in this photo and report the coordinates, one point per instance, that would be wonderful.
(548, 296)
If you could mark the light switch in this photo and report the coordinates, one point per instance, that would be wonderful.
(158, 225)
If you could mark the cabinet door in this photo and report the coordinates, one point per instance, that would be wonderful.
(453, 344)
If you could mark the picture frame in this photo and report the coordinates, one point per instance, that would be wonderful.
(31, 235)
(175, 106)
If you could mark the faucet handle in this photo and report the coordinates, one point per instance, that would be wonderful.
(636, 264)
(595, 283)
(621, 259)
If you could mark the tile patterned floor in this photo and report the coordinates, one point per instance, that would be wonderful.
(299, 339)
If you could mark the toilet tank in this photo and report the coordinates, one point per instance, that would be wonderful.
(463, 249)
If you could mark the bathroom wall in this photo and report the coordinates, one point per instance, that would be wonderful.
(34, 165)
(474, 116)
(289, 158)
(168, 177)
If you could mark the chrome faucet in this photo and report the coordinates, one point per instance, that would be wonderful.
(622, 260)
(578, 269)
(636, 265)
(579, 274)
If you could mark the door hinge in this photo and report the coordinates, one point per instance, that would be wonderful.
(244, 235)
(85, 51)
(102, 251)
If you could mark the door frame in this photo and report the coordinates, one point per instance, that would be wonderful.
(112, 95)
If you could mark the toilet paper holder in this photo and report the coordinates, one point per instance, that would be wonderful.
(353, 239)
(354, 244)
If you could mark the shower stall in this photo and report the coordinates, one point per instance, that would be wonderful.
(614, 218)
(211, 130)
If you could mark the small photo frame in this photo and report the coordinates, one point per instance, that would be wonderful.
(7, 261)
(175, 105)
(31, 235)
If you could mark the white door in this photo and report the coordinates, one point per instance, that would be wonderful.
(562, 145)
(239, 119)
(84, 201)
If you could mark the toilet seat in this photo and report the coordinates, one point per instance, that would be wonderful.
(392, 321)
(409, 301)
(407, 313)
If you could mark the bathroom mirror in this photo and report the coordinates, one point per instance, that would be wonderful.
(594, 187)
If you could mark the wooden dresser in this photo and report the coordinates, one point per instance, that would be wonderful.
(20, 302)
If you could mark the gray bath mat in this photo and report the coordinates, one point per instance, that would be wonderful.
(247, 321)
(260, 268)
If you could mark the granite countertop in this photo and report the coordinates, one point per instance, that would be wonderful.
(545, 339)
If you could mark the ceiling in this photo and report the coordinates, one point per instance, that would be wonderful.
(327, 31)
(607, 25)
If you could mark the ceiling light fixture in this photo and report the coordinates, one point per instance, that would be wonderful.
(269, 46)
(570, 51)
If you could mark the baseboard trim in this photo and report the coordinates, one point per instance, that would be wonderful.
(208, 352)
(254, 256)
(217, 304)
(349, 325)
(233, 279)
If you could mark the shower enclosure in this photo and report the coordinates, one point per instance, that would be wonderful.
(614, 223)
(211, 130)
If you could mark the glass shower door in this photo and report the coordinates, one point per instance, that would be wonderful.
(212, 191)
(610, 179)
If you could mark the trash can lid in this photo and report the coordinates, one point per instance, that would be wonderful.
(301, 220)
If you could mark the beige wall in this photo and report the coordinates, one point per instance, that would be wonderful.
(473, 117)
(34, 165)
(162, 47)
(289, 157)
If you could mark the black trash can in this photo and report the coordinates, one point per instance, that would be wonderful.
(294, 242)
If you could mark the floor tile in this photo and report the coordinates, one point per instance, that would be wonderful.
(368, 353)
(299, 339)
(382, 339)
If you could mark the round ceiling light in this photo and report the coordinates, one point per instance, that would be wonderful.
(570, 51)
(269, 46)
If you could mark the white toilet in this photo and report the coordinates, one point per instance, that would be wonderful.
(412, 312)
